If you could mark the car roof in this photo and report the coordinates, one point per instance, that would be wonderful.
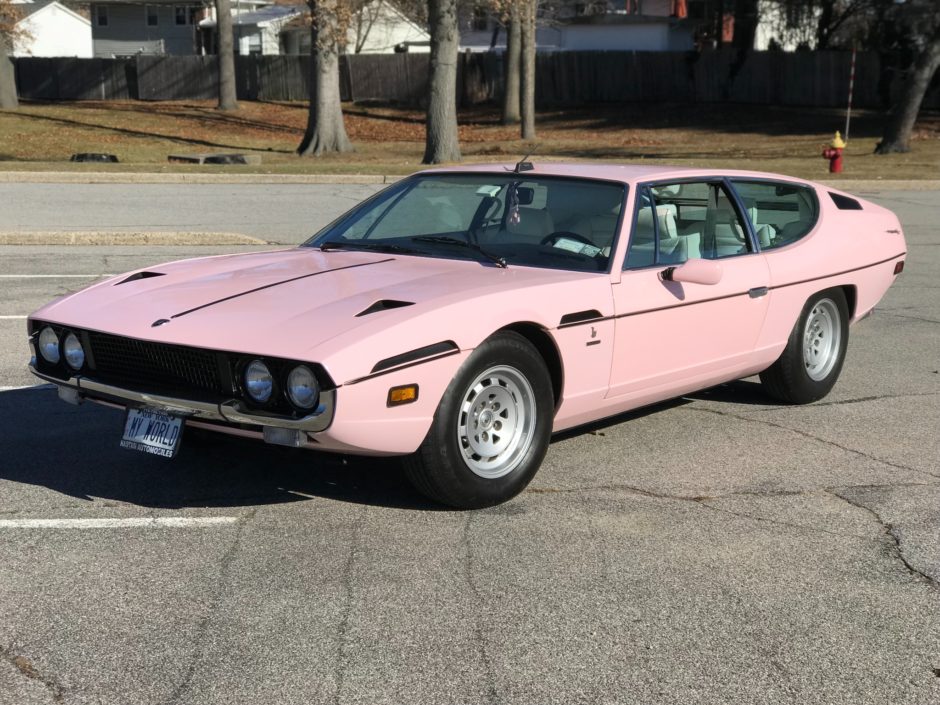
(626, 173)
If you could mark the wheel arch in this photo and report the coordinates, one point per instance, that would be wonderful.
(547, 349)
(851, 298)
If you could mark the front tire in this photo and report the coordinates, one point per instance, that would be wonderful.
(491, 429)
(812, 360)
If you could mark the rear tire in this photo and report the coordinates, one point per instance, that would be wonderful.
(491, 429)
(812, 360)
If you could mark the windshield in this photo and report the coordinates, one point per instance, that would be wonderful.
(503, 219)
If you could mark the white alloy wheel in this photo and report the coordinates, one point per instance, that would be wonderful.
(822, 339)
(495, 421)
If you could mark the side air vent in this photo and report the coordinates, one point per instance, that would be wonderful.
(844, 203)
(384, 305)
(139, 275)
(578, 317)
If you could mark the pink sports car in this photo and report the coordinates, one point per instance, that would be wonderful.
(461, 316)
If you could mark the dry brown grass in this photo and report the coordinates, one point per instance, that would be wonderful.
(388, 140)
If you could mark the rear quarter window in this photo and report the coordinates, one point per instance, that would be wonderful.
(781, 213)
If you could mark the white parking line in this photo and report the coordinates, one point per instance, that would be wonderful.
(136, 523)
(54, 276)
(12, 318)
(27, 386)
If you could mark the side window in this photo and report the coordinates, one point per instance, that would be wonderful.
(677, 222)
(780, 213)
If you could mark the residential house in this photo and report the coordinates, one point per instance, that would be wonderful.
(379, 27)
(598, 25)
(130, 27)
(260, 31)
(51, 29)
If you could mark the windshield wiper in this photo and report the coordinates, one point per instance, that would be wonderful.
(447, 240)
(371, 246)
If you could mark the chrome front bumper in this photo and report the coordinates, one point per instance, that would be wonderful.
(232, 411)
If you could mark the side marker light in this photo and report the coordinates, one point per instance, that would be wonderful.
(402, 395)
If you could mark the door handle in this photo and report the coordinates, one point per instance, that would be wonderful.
(757, 292)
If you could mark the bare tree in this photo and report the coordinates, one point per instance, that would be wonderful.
(441, 142)
(512, 57)
(527, 12)
(227, 96)
(325, 131)
(9, 16)
(922, 21)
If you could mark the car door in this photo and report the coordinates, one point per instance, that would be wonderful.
(672, 337)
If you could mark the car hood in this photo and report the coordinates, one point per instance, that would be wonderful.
(292, 303)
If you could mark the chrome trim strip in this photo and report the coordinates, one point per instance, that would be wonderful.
(232, 411)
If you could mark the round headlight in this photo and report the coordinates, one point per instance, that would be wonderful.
(258, 381)
(49, 345)
(302, 387)
(74, 353)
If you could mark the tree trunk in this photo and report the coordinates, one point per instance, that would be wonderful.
(745, 24)
(227, 98)
(527, 12)
(823, 26)
(325, 131)
(441, 142)
(897, 135)
(511, 95)
(8, 100)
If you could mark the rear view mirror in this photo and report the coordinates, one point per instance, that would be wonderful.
(525, 195)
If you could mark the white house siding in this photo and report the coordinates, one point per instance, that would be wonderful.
(127, 32)
(55, 31)
(389, 29)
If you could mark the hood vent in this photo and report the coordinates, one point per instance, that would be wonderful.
(139, 275)
(384, 305)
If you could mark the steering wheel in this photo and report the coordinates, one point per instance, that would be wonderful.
(554, 237)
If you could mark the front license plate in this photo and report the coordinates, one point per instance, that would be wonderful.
(152, 431)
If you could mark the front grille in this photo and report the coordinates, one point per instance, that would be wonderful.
(142, 364)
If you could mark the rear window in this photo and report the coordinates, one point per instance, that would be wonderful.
(781, 213)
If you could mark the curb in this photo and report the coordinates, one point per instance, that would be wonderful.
(882, 185)
(127, 238)
(100, 177)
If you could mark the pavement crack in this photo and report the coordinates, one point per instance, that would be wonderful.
(912, 318)
(894, 541)
(215, 601)
(810, 436)
(27, 669)
(342, 630)
(778, 522)
(478, 635)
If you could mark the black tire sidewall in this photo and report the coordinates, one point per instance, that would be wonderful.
(457, 484)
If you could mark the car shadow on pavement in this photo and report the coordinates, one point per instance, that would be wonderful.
(74, 451)
(743, 391)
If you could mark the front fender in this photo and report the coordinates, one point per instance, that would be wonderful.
(364, 423)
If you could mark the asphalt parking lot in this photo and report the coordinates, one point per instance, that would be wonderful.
(719, 548)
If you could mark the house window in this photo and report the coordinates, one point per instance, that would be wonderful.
(183, 15)
(153, 15)
(481, 19)
(101, 15)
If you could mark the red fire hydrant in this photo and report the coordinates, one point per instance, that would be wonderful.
(834, 154)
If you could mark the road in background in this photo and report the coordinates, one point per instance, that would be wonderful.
(716, 549)
(287, 213)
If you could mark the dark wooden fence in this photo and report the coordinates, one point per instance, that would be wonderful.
(563, 78)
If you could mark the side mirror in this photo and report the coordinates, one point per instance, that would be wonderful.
(694, 271)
